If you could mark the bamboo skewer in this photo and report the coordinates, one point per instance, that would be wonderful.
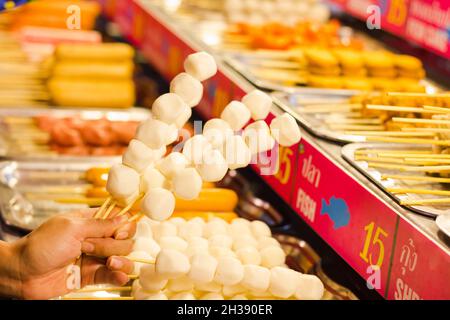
(410, 202)
(356, 127)
(415, 155)
(108, 289)
(410, 168)
(379, 159)
(329, 108)
(403, 109)
(433, 129)
(424, 121)
(416, 178)
(440, 109)
(124, 210)
(98, 298)
(145, 261)
(417, 94)
(99, 213)
(391, 133)
(391, 151)
(136, 217)
(418, 191)
(431, 161)
(338, 120)
(108, 211)
(409, 140)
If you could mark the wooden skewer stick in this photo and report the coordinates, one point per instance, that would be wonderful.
(136, 217)
(417, 94)
(415, 155)
(410, 168)
(391, 133)
(402, 109)
(410, 202)
(145, 261)
(419, 191)
(431, 161)
(125, 210)
(128, 207)
(409, 140)
(356, 127)
(99, 213)
(98, 298)
(391, 151)
(133, 276)
(439, 109)
(379, 159)
(416, 178)
(433, 129)
(425, 121)
(330, 108)
(92, 202)
(339, 120)
(108, 211)
(108, 289)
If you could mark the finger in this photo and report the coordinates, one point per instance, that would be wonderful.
(89, 266)
(126, 231)
(106, 276)
(120, 264)
(105, 247)
(94, 271)
(97, 228)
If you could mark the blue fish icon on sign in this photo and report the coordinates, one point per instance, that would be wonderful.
(337, 210)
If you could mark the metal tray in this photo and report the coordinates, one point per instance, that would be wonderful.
(19, 179)
(292, 103)
(237, 62)
(250, 206)
(374, 174)
(133, 114)
(301, 257)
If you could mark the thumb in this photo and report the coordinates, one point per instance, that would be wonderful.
(97, 228)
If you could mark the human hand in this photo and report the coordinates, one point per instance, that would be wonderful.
(43, 260)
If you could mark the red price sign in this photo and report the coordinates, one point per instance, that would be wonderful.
(345, 214)
(420, 268)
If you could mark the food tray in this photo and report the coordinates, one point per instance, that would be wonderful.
(314, 123)
(20, 180)
(238, 63)
(374, 174)
(301, 257)
(9, 150)
(22, 215)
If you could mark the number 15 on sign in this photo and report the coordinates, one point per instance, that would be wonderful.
(373, 245)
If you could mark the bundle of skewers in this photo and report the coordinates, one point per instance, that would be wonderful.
(386, 117)
(190, 259)
(414, 159)
(22, 82)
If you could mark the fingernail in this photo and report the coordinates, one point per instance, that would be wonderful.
(87, 247)
(122, 235)
(116, 263)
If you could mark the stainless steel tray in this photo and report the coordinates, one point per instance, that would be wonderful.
(375, 174)
(301, 257)
(25, 187)
(293, 103)
(7, 150)
(237, 62)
